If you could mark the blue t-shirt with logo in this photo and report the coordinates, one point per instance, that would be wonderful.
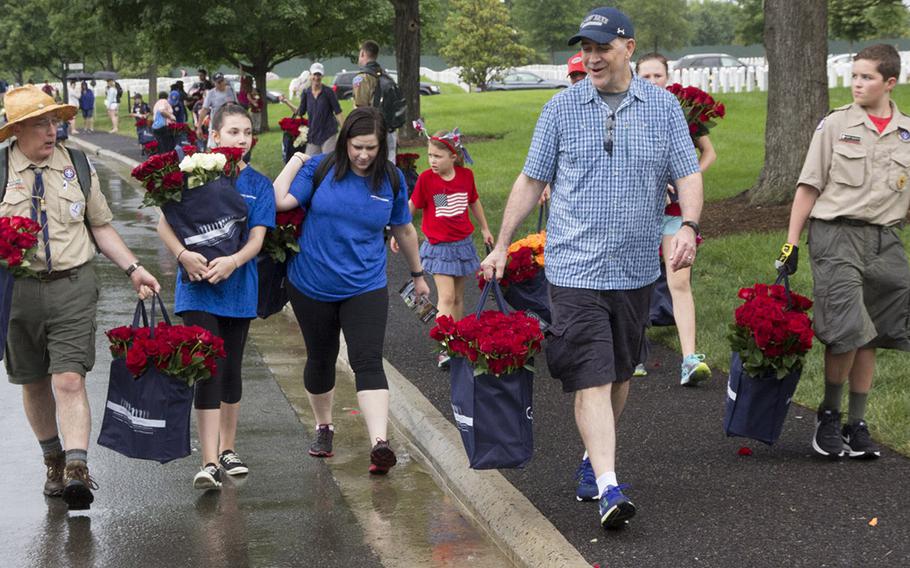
(342, 250)
(237, 296)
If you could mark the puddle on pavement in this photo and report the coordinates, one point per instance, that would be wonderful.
(406, 518)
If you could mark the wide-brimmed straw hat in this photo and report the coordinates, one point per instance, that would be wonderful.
(28, 102)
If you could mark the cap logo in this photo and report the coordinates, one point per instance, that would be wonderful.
(595, 20)
(576, 59)
(620, 31)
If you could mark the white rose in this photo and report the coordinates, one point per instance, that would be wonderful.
(187, 164)
(218, 162)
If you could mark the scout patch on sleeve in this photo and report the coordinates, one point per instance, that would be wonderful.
(358, 79)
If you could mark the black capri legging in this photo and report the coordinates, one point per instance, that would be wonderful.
(363, 320)
(225, 385)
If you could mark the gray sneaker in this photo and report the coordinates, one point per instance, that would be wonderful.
(322, 445)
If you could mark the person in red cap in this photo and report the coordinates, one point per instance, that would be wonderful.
(576, 68)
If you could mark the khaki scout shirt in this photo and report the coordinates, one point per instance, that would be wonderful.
(71, 245)
(860, 174)
(365, 86)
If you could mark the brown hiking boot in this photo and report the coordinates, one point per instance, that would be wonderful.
(78, 486)
(55, 463)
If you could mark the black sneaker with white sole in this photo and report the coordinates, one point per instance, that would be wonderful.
(858, 443)
(209, 477)
(232, 464)
(827, 439)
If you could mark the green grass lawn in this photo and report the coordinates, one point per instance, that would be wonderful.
(505, 121)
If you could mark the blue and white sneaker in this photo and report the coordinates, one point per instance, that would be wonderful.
(586, 488)
(615, 508)
(694, 370)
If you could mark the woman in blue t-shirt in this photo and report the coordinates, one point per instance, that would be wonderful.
(338, 281)
(221, 296)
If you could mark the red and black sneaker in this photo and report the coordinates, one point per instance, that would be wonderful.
(382, 458)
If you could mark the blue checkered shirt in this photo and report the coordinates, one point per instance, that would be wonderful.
(606, 212)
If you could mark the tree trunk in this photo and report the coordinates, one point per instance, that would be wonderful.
(153, 83)
(407, 57)
(259, 71)
(797, 93)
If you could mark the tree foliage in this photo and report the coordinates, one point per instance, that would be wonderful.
(659, 24)
(856, 20)
(480, 40)
(545, 25)
(750, 25)
(713, 22)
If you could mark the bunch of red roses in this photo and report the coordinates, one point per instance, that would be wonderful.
(291, 125)
(521, 266)
(772, 333)
(406, 161)
(142, 123)
(151, 147)
(186, 353)
(162, 178)
(182, 131)
(699, 107)
(234, 157)
(282, 240)
(495, 343)
(18, 242)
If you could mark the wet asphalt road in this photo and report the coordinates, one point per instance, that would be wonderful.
(289, 512)
(699, 503)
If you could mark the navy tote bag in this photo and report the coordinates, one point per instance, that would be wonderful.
(756, 407)
(493, 414)
(273, 286)
(149, 417)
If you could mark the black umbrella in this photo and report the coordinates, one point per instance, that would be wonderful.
(106, 75)
(80, 76)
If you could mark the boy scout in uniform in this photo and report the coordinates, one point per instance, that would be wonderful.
(855, 191)
(51, 341)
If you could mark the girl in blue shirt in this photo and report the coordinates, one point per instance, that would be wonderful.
(221, 296)
(338, 281)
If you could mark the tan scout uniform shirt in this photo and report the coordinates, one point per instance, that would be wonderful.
(860, 174)
(364, 88)
(71, 245)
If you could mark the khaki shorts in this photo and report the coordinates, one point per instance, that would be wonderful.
(52, 327)
(862, 286)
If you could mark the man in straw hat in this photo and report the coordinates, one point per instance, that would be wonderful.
(51, 340)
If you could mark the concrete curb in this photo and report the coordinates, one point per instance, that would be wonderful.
(515, 525)
(520, 530)
(95, 150)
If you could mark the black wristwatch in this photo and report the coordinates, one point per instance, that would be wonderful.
(692, 225)
(132, 268)
(417, 274)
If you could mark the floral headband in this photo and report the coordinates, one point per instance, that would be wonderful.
(451, 140)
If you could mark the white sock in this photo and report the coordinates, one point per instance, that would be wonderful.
(606, 480)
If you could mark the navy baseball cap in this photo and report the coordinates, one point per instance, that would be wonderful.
(603, 25)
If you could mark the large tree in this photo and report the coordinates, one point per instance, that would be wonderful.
(797, 93)
(480, 40)
(750, 24)
(713, 22)
(407, 57)
(659, 24)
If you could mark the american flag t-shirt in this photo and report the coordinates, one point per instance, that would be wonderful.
(450, 205)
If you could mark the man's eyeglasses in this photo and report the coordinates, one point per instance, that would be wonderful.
(608, 137)
(45, 123)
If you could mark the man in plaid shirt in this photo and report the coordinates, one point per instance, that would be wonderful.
(607, 146)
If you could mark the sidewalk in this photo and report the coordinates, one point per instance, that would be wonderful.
(699, 502)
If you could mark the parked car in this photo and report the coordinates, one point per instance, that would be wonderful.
(699, 60)
(343, 84)
(519, 80)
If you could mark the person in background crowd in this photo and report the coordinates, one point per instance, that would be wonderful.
(338, 281)
(220, 295)
(163, 114)
(176, 103)
(112, 103)
(576, 68)
(48, 89)
(50, 346)
(214, 100)
(365, 84)
(4, 87)
(853, 192)
(140, 107)
(87, 106)
(320, 105)
(652, 67)
(73, 95)
(602, 233)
